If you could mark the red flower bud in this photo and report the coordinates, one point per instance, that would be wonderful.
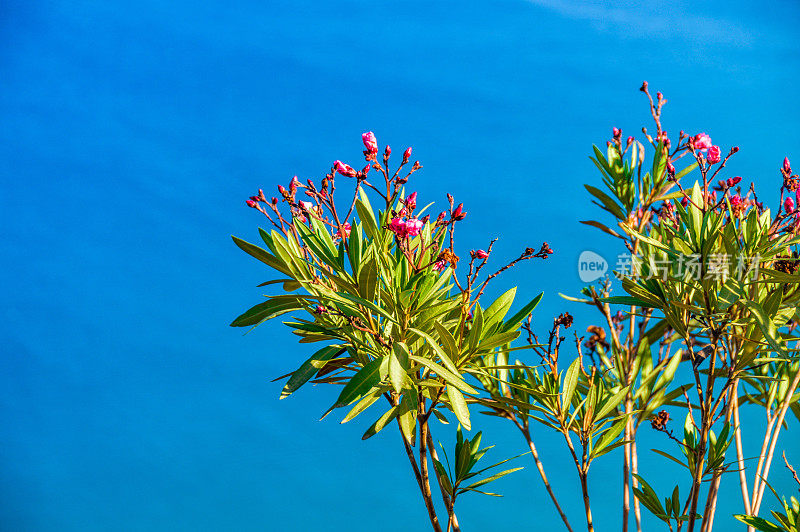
(733, 181)
(344, 169)
(458, 214)
(788, 205)
(786, 167)
(406, 154)
(713, 155)
(370, 142)
(255, 198)
(251, 203)
(411, 201)
(387, 151)
(481, 254)
(630, 141)
(262, 196)
(274, 200)
(617, 132)
(282, 190)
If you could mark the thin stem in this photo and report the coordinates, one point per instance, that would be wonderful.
(425, 485)
(779, 421)
(526, 432)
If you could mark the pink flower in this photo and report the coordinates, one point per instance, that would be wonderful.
(413, 226)
(788, 205)
(344, 231)
(713, 155)
(439, 265)
(398, 227)
(370, 142)
(320, 310)
(735, 200)
(407, 154)
(481, 254)
(344, 169)
(786, 167)
(411, 201)
(702, 142)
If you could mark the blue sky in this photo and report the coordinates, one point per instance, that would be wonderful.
(130, 136)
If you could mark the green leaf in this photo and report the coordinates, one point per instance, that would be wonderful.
(514, 321)
(398, 361)
(626, 300)
(433, 344)
(570, 382)
(381, 422)
(360, 383)
(364, 403)
(611, 403)
(607, 203)
(450, 377)
(309, 368)
(261, 254)
(459, 406)
(498, 310)
(268, 309)
(759, 523)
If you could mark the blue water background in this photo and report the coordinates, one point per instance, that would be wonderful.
(130, 135)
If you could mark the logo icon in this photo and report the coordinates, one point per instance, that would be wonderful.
(591, 266)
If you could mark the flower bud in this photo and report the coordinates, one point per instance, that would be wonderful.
(788, 205)
(407, 154)
(255, 198)
(282, 190)
(713, 155)
(411, 201)
(786, 167)
(630, 141)
(365, 170)
(685, 202)
(387, 151)
(344, 169)
(262, 196)
(458, 214)
(733, 181)
(370, 142)
(274, 200)
(617, 132)
(344, 231)
(481, 254)
(251, 203)
(659, 95)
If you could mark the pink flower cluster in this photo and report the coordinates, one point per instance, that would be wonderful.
(405, 228)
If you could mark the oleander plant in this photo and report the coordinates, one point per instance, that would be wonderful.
(696, 323)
